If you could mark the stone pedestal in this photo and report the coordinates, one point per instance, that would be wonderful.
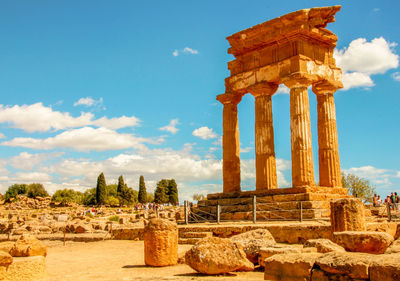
(328, 148)
(300, 127)
(230, 142)
(161, 243)
(347, 215)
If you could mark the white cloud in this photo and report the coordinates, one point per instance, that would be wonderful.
(2, 136)
(82, 139)
(171, 127)
(376, 9)
(185, 50)
(375, 175)
(282, 89)
(32, 177)
(204, 133)
(39, 118)
(89, 102)
(361, 59)
(356, 79)
(116, 122)
(190, 51)
(28, 161)
(245, 149)
(396, 76)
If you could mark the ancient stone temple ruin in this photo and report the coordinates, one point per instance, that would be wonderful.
(295, 50)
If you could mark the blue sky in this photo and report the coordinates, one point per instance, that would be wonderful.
(129, 87)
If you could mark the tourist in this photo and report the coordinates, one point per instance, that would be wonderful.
(379, 200)
(375, 200)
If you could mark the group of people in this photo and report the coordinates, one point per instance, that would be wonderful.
(149, 206)
(391, 200)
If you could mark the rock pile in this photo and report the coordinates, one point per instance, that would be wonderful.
(23, 203)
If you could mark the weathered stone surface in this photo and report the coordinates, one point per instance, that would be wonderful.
(372, 242)
(81, 228)
(347, 214)
(5, 258)
(6, 246)
(394, 248)
(324, 245)
(387, 268)
(28, 245)
(290, 266)
(388, 227)
(354, 265)
(267, 252)
(26, 269)
(252, 241)
(217, 255)
(161, 243)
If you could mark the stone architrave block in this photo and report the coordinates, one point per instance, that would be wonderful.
(161, 243)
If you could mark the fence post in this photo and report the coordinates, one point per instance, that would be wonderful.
(301, 211)
(254, 209)
(218, 213)
(389, 212)
(186, 212)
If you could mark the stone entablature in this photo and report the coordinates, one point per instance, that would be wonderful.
(295, 50)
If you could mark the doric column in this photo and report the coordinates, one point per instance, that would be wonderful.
(328, 148)
(264, 137)
(300, 127)
(230, 142)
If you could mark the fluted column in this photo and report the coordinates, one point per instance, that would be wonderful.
(264, 137)
(328, 148)
(300, 127)
(230, 142)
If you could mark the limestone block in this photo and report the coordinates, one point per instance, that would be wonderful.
(385, 268)
(5, 259)
(294, 267)
(372, 242)
(28, 245)
(217, 256)
(393, 249)
(355, 265)
(267, 252)
(252, 241)
(347, 215)
(26, 269)
(6, 246)
(324, 245)
(161, 243)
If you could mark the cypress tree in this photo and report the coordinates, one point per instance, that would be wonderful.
(172, 192)
(161, 192)
(121, 185)
(101, 190)
(142, 197)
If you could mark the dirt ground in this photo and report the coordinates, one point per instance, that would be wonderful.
(119, 260)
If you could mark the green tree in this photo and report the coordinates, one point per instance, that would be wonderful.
(68, 196)
(358, 187)
(161, 192)
(142, 197)
(121, 185)
(36, 190)
(172, 192)
(198, 197)
(89, 197)
(101, 190)
(15, 190)
(150, 197)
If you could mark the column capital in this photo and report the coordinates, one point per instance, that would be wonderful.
(298, 82)
(263, 89)
(323, 88)
(229, 98)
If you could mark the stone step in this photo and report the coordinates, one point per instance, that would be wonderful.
(265, 207)
(190, 241)
(278, 215)
(271, 198)
(195, 234)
